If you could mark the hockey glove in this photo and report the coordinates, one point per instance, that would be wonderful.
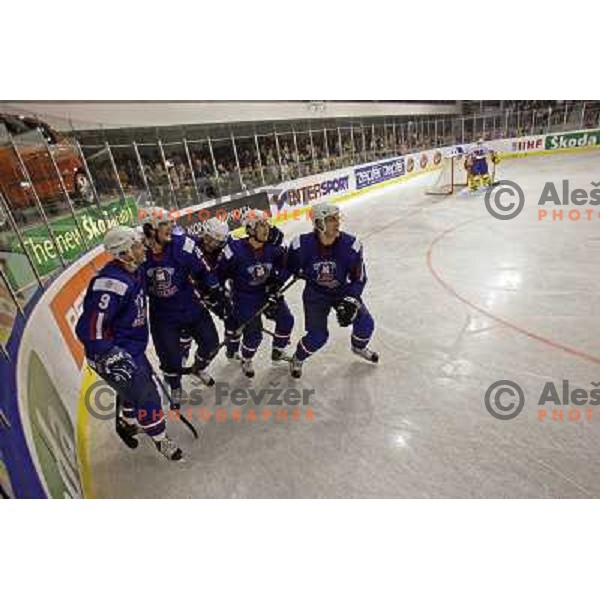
(218, 302)
(274, 299)
(347, 311)
(116, 366)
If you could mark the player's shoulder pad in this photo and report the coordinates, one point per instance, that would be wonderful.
(299, 240)
(108, 280)
(184, 243)
(351, 241)
(229, 249)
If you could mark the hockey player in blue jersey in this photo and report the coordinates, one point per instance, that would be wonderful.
(254, 268)
(174, 268)
(331, 262)
(114, 332)
(213, 237)
(211, 240)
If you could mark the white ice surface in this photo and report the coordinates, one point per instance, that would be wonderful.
(415, 425)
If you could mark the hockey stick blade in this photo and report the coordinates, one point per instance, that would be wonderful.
(185, 421)
(182, 418)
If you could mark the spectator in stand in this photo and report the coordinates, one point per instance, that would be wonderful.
(287, 157)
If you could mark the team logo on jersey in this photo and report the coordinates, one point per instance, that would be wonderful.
(259, 273)
(161, 282)
(326, 272)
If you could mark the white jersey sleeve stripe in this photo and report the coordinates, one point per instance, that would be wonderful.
(357, 246)
(99, 321)
(188, 245)
(108, 284)
(151, 425)
(295, 243)
(227, 252)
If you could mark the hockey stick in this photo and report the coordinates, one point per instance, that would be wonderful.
(184, 420)
(494, 182)
(237, 332)
(260, 311)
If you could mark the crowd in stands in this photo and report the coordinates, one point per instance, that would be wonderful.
(221, 170)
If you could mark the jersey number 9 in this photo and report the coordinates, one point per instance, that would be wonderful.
(104, 300)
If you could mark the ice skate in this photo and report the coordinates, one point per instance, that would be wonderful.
(127, 432)
(247, 367)
(169, 449)
(367, 354)
(296, 367)
(232, 355)
(176, 398)
(279, 355)
(201, 374)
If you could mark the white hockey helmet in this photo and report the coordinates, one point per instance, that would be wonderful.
(251, 217)
(322, 210)
(120, 239)
(154, 215)
(215, 229)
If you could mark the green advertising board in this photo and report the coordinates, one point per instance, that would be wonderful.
(573, 140)
(73, 239)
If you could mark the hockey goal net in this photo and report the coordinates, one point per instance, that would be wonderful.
(451, 176)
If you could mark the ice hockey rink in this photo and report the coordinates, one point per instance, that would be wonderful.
(460, 300)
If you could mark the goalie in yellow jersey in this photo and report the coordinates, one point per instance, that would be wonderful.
(476, 165)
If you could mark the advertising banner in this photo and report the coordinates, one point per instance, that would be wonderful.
(231, 211)
(71, 240)
(379, 172)
(309, 190)
(573, 140)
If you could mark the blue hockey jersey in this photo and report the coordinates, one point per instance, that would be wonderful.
(251, 269)
(337, 270)
(114, 312)
(170, 277)
(479, 152)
